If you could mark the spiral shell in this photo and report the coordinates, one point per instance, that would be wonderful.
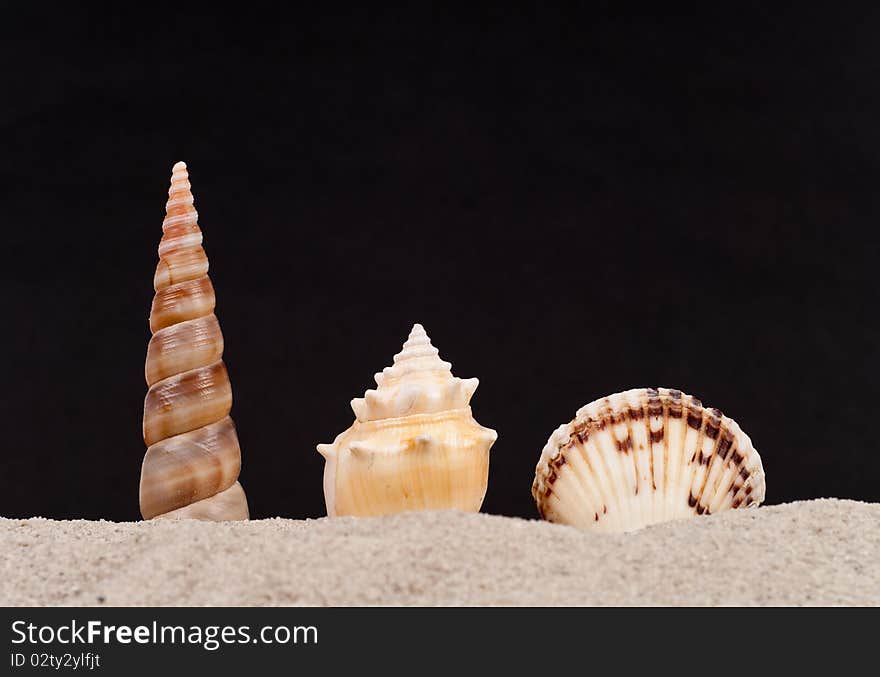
(193, 458)
(414, 444)
(645, 456)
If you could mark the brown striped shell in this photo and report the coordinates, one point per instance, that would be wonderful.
(645, 456)
(193, 459)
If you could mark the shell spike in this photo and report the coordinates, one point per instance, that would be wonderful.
(326, 450)
(361, 451)
(470, 387)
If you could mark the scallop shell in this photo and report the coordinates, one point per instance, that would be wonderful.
(193, 458)
(645, 456)
(414, 444)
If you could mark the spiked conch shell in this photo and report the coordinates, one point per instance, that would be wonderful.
(645, 456)
(414, 444)
(193, 459)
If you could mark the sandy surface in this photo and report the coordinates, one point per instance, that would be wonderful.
(816, 552)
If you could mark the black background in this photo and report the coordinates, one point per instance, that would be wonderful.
(572, 203)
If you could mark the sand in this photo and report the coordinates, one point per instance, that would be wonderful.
(824, 552)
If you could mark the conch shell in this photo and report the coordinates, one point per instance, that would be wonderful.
(645, 456)
(193, 459)
(414, 444)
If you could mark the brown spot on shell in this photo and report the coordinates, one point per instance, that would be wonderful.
(624, 445)
(657, 436)
(636, 414)
(675, 394)
(596, 516)
(712, 428)
(737, 457)
(724, 445)
(744, 473)
(579, 436)
(552, 477)
(737, 502)
(695, 420)
(691, 500)
(604, 508)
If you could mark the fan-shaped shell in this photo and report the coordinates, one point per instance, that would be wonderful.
(645, 456)
(193, 458)
(414, 444)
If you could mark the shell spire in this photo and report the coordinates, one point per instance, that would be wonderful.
(414, 444)
(418, 382)
(193, 458)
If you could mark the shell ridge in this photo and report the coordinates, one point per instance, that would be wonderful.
(646, 423)
(597, 433)
(712, 422)
(608, 451)
(608, 469)
(583, 485)
(693, 413)
(715, 471)
(638, 429)
(670, 476)
(721, 491)
(708, 472)
(633, 454)
(601, 501)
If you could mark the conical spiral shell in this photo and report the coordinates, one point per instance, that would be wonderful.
(645, 456)
(193, 458)
(414, 444)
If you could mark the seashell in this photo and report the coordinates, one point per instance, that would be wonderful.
(193, 458)
(414, 444)
(645, 456)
